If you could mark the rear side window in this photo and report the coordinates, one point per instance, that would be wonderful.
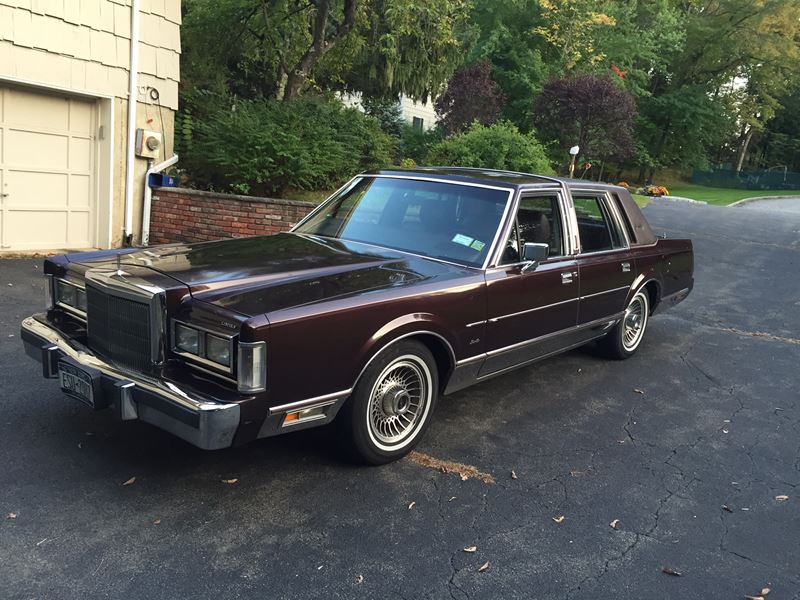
(626, 222)
(596, 228)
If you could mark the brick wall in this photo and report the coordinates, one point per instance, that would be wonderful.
(182, 215)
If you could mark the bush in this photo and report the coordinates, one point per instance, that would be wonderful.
(498, 146)
(266, 146)
(415, 143)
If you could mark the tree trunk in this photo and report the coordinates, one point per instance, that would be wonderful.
(322, 41)
(745, 142)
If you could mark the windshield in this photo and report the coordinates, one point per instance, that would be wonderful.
(448, 221)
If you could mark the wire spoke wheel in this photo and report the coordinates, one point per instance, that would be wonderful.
(399, 402)
(634, 322)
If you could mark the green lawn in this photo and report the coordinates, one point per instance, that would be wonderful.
(722, 196)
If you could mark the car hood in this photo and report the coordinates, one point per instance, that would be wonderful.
(258, 275)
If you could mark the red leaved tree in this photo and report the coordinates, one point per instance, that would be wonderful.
(592, 112)
(471, 95)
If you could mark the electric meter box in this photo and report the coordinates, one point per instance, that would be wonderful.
(148, 143)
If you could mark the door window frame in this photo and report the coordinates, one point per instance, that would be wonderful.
(615, 221)
(507, 228)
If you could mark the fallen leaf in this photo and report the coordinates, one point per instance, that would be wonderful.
(672, 572)
(360, 579)
(412, 505)
(464, 477)
(513, 474)
(484, 567)
(782, 498)
(230, 481)
(157, 522)
(638, 391)
(765, 591)
(614, 524)
(471, 549)
(559, 519)
(11, 516)
(130, 481)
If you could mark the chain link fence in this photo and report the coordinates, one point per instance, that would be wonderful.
(764, 179)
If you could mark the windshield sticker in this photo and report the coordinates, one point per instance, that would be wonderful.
(464, 240)
(477, 245)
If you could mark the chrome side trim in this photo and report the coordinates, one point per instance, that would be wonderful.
(597, 322)
(471, 359)
(530, 310)
(618, 289)
(310, 402)
(476, 323)
(538, 358)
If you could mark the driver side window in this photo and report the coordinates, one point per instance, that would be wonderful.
(538, 221)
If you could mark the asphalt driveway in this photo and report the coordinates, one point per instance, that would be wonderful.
(689, 448)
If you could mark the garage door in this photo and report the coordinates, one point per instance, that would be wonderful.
(47, 157)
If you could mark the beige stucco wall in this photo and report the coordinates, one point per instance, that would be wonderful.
(83, 47)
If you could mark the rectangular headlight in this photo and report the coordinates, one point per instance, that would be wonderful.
(218, 350)
(252, 368)
(187, 339)
(66, 293)
(70, 295)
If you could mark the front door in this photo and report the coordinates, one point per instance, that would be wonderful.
(527, 310)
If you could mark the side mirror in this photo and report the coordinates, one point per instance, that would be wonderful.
(533, 254)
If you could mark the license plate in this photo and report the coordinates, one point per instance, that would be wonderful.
(76, 382)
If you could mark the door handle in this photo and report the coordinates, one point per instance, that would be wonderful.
(626, 267)
(567, 277)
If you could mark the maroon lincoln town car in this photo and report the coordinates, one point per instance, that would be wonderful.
(402, 286)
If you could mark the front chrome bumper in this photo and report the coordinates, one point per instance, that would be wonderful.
(208, 425)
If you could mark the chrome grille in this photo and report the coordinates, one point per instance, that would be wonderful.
(119, 329)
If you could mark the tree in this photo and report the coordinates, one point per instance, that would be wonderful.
(589, 111)
(387, 112)
(410, 47)
(470, 96)
(281, 48)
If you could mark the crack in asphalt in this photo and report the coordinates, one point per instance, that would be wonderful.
(760, 334)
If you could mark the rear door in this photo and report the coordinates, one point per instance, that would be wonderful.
(605, 262)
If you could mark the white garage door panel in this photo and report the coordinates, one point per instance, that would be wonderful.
(79, 192)
(36, 111)
(28, 189)
(50, 229)
(40, 150)
(47, 166)
(80, 155)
